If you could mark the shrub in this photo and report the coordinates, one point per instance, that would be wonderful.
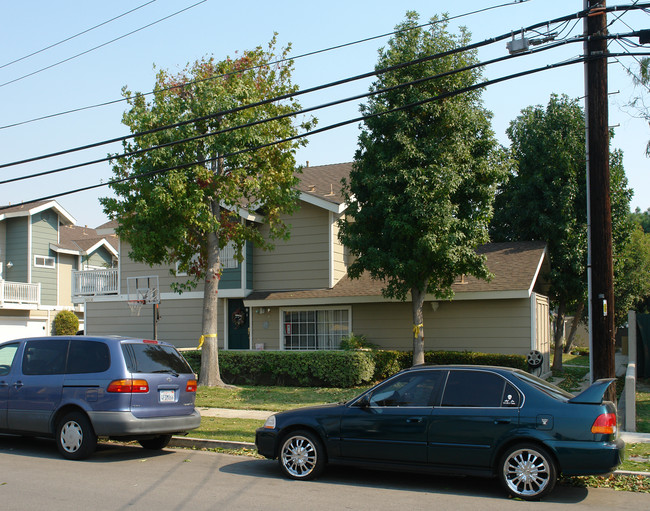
(356, 342)
(66, 323)
(341, 368)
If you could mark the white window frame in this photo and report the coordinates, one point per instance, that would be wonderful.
(332, 335)
(226, 255)
(46, 260)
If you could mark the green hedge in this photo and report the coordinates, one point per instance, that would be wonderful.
(334, 368)
(299, 369)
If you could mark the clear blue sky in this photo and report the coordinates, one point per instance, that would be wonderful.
(222, 28)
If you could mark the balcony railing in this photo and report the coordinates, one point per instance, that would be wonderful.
(19, 293)
(95, 282)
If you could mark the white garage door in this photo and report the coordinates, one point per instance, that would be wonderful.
(17, 328)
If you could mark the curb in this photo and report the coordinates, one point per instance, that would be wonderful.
(203, 443)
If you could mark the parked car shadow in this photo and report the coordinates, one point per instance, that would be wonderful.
(107, 452)
(402, 481)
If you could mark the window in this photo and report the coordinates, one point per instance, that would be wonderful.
(417, 389)
(44, 261)
(478, 389)
(88, 357)
(45, 356)
(320, 329)
(154, 358)
(7, 354)
(226, 256)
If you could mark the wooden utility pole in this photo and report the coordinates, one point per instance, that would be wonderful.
(601, 294)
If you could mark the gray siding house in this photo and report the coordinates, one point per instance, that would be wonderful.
(40, 249)
(298, 296)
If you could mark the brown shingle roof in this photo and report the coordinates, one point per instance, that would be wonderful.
(515, 267)
(324, 181)
(75, 237)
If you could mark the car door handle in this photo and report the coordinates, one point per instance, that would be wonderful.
(502, 421)
(18, 384)
(413, 420)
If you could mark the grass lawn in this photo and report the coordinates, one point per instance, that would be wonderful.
(231, 430)
(643, 406)
(275, 399)
(575, 360)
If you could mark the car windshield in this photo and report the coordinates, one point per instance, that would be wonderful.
(154, 358)
(547, 388)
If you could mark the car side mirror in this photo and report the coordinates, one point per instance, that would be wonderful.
(364, 402)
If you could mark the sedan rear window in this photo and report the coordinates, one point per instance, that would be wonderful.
(154, 358)
(546, 387)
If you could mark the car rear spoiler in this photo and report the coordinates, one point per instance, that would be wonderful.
(595, 393)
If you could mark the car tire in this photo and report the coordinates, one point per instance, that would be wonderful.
(302, 455)
(527, 471)
(156, 443)
(75, 437)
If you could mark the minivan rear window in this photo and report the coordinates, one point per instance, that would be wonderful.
(154, 358)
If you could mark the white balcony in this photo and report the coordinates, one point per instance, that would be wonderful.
(19, 293)
(95, 282)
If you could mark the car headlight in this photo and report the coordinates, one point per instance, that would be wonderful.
(270, 422)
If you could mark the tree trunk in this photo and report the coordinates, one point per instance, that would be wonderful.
(574, 327)
(417, 301)
(210, 374)
(557, 337)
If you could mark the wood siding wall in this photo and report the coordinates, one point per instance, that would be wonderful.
(180, 322)
(66, 264)
(16, 247)
(44, 232)
(301, 262)
(495, 326)
(339, 262)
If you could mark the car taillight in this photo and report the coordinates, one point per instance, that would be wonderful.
(191, 386)
(605, 423)
(128, 386)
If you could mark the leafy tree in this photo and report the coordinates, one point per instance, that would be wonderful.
(420, 193)
(642, 219)
(187, 215)
(545, 199)
(633, 279)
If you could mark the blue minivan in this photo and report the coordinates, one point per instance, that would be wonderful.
(76, 389)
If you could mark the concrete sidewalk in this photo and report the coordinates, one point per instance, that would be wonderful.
(236, 414)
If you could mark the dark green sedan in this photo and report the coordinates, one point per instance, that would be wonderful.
(473, 420)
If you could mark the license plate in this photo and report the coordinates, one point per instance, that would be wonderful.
(167, 396)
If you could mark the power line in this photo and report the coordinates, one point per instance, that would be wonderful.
(575, 60)
(280, 61)
(76, 35)
(295, 113)
(101, 45)
(468, 47)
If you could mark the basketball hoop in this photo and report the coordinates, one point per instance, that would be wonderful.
(135, 306)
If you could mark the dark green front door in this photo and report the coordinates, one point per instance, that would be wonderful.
(238, 325)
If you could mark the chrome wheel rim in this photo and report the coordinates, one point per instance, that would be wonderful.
(299, 456)
(526, 472)
(71, 436)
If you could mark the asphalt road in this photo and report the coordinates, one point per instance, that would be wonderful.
(33, 477)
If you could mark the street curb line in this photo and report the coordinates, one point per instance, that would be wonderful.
(203, 443)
